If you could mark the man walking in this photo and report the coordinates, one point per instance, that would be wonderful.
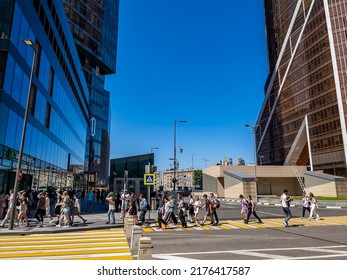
(8, 213)
(143, 209)
(285, 201)
(214, 205)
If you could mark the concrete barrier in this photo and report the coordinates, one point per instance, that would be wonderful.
(128, 226)
(135, 236)
(145, 248)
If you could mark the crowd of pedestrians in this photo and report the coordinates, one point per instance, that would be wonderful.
(67, 205)
(195, 209)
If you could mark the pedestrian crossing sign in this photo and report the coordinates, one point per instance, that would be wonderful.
(149, 179)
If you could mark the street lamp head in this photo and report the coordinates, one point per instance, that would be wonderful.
(29, 42)
(181, 121)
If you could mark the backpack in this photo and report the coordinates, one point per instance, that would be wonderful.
(217, 203)
(70, 203)
(185, 205)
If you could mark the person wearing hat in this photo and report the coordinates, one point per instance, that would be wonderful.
(111, 208)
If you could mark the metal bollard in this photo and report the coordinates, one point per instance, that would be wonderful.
(128, 226)
(145, 248)
(136, 234)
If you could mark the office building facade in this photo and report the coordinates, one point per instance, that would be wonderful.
(136, 169)
(94, 26)
(303, 117)
(59, 116)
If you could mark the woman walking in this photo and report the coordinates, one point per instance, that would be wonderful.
(197, 207)
(111, 208)
(133, 208)
(251, 210)
(65, 210)
(314, 206)
(23, 207)
(244, 207)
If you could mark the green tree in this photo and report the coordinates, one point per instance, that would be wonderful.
(197, 177)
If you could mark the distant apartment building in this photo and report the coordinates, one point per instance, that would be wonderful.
(185, 179)
(303, 117)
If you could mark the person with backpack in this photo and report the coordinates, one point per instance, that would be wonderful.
(169, 212)
(208, 207)
(143, 209)
(215, 204)
(182, 210)
(251, 210)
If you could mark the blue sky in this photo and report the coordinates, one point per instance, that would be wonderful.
(197, 60)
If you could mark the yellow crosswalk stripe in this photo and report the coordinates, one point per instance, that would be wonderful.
(91, 245)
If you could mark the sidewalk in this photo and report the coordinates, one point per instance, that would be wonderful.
(95, 220)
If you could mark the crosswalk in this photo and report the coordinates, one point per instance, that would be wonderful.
(108, 244)
(253, 224)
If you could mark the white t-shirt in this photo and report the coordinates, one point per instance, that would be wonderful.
(197, 206)
(284, 197)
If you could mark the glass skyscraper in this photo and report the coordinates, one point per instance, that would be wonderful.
(94, 26)
(59, 110)
(303, 117)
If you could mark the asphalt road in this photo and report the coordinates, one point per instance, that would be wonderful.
(319, 241)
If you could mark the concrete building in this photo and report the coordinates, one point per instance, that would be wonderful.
(303, 117)
(231, 181)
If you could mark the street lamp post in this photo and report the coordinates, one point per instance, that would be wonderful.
(254, 128)
(30, 43)
(174, 180)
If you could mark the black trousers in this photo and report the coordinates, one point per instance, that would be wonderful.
(304, 209)
(214, 214)
(167, 218)
(249, 213)
(182, 218)
(40, 213)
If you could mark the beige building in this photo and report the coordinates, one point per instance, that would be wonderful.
(184, 179)
(230, 181)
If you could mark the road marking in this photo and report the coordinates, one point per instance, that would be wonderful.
(262, 253)
(105, 244)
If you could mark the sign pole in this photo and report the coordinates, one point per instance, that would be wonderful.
(149, 180)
